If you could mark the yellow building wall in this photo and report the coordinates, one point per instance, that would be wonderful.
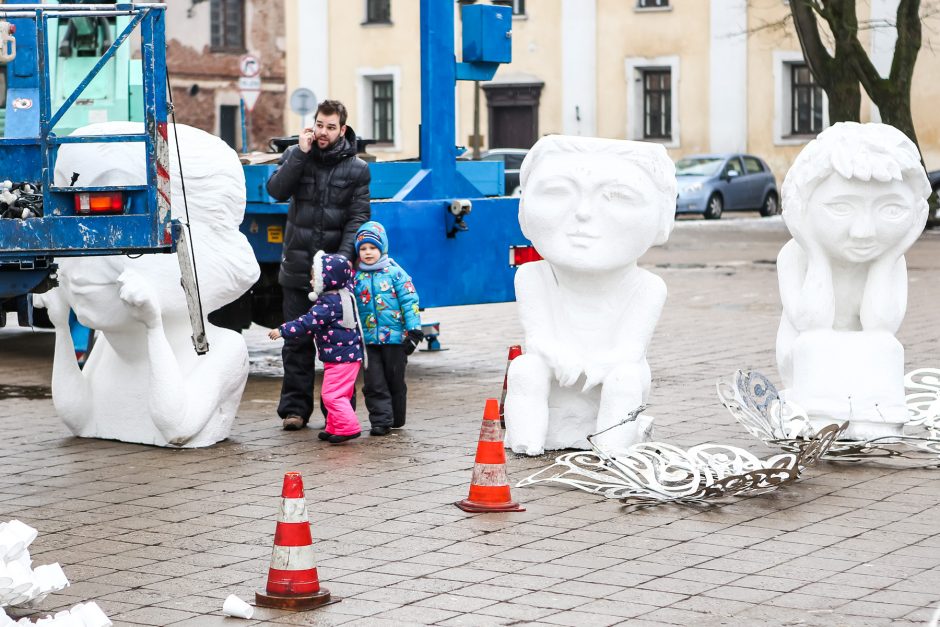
(623, 32)
(536, 54)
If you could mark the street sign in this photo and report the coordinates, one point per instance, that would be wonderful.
(303, 101)
(250, 88)
(249, 83)
(250, 98)
(249, 65)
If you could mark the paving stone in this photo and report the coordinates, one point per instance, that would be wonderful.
(161, 537)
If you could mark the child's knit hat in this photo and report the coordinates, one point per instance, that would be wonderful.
(373, 233)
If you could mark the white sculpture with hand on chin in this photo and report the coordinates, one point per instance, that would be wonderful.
(143, 382)
(591, 207)
(854, 201)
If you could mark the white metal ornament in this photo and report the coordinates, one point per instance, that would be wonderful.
(754, 402)
(650, 473)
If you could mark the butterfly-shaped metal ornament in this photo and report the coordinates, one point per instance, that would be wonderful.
(656, 472)
(754, 402)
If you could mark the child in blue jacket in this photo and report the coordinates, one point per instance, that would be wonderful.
(333, 323)
(391, 326)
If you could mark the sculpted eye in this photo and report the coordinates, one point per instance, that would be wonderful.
(618, 195)
(893, 211)
(839, 209)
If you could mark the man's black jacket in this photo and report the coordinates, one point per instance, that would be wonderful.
(329, 201)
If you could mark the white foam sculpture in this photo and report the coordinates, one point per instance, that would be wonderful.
(591, 207)
(19, 582)
(854, 201)
(143, 382)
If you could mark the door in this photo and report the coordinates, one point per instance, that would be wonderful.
(513, 111)
(228, 125)
(754, 179)
(733, 185)
(512, 127)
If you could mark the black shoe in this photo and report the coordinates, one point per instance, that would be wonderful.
(324, 435)
(293, 422)
(339, 439)
(379, 431)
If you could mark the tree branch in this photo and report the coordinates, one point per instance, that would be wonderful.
(807, 29)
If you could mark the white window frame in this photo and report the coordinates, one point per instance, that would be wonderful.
(783, 100)
(640, 9)
(364, 109)
(634, 67)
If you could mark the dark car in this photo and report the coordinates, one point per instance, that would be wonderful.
(713, 184)
(934, 178)
(512, 161)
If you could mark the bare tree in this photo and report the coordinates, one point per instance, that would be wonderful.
(841, 71)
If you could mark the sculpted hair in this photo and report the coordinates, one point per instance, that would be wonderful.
(649, 157)
(863, 152)
(333, 107)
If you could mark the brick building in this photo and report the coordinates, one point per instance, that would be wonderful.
(205, 41)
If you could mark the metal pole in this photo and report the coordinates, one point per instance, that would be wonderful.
(476, 120)
(438, 98)
(244, 126)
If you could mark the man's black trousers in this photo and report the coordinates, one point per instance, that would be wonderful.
(384, 385)
(299, 356)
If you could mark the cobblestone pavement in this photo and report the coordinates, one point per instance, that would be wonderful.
(160, 537)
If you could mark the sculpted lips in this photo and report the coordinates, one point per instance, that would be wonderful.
(581, 237)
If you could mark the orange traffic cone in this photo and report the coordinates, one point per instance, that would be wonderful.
(489, 489)
(293, 583)
(514, 351)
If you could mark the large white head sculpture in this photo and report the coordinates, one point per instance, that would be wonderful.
(143, 381)
(591, 207)
(854, 201)
(582, 194)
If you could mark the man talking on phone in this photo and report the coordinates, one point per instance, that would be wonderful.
(328, 188)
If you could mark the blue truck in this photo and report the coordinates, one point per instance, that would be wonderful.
(448, 218)
(62, 62)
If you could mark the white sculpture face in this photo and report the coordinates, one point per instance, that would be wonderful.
(590, 212)
(859, 221)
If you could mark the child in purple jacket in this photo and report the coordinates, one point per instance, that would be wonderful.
(333, 322)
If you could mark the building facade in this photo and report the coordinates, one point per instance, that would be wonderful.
(206, 41)
(697, 76)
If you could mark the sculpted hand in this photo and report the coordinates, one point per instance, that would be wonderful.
(306, 139)
(56, 307)
(137, 294)
(566, 365)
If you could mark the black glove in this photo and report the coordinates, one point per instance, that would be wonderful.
(412, 339)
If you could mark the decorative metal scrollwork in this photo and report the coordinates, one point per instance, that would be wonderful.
(657, 472)
(754, 402)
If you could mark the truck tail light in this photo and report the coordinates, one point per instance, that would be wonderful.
(519, 255)
(87, 203)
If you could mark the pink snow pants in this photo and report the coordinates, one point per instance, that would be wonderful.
(339, 385)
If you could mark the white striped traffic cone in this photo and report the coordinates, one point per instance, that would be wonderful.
(489, 488)
(293, 583)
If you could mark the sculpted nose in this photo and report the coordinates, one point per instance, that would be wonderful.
(863, 227)
(583, 209)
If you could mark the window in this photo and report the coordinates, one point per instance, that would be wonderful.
(518, 7)
(652, 4)
(378, 12)
(383, 111)
(657, 104)
(733, 166)
(228, 25)
(806, 111)
(752, 165)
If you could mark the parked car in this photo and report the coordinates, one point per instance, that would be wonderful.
(934, 180)
(512, 161)
(713, 184)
